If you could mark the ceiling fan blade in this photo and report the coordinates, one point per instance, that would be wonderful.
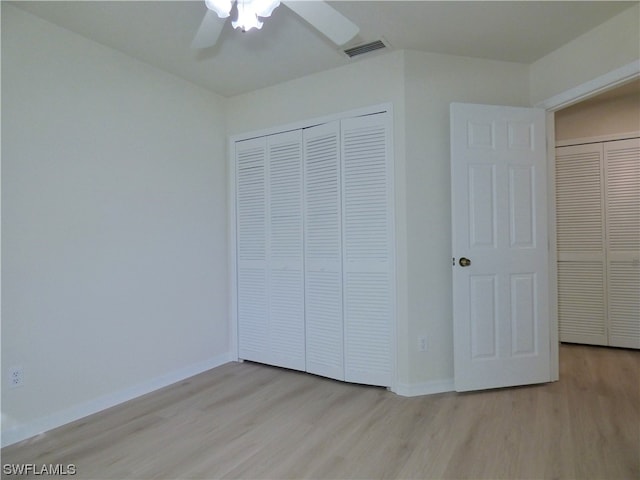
(209, 31)
(326, 19)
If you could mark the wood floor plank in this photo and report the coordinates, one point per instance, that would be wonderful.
(254, 421)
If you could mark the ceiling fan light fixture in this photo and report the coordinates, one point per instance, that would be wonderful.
(247, 18)
(250, 14)
(221, 7)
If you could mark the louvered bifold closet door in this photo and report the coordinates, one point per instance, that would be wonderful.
(251, 231)
(285, 250)
(367, 206)
(580, 243)
(323, 251)
(622, 180)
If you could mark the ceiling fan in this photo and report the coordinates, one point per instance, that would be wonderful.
(324, 18)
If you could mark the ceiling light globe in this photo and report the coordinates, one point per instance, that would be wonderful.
(221, 7)
(247, 18)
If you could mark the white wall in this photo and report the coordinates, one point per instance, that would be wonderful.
(432, 82)
(114, 255)
(609, 46)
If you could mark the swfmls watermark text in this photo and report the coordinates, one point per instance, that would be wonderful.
(44, 469)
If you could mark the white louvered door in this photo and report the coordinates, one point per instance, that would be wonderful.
(315, 249)
(285, 250)
(622, 193)
(598, 227)
(323, 251)
(270, 250)
(251, 232)
(367, 206)
(581, 244)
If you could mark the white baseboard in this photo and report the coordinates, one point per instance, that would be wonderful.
(427, 388)
(49, 422)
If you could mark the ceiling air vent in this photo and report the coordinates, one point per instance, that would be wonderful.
(365, 48)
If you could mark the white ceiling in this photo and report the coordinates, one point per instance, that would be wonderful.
(160, 33)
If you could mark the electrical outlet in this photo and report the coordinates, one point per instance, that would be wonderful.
(15, 377)
(422, 344)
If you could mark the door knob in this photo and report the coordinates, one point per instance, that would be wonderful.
(464, 262)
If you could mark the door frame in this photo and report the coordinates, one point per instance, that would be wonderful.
(557, 102)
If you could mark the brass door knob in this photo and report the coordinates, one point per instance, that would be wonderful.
(464, 262)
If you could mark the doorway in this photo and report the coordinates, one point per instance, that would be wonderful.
(596, 188)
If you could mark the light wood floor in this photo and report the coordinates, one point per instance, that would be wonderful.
(253, 421)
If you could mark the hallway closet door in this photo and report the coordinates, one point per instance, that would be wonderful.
(581, 244)
(598, 226)
(622, 193)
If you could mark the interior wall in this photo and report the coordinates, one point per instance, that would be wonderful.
(607, 47)
(593, 118)
(114, 252)
(432, 83)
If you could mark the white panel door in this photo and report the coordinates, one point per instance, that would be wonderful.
(368, 248)
(580, 218)
(622, 186)
(323, 251)
(500, 298)
(251, 205)
(285, 250)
